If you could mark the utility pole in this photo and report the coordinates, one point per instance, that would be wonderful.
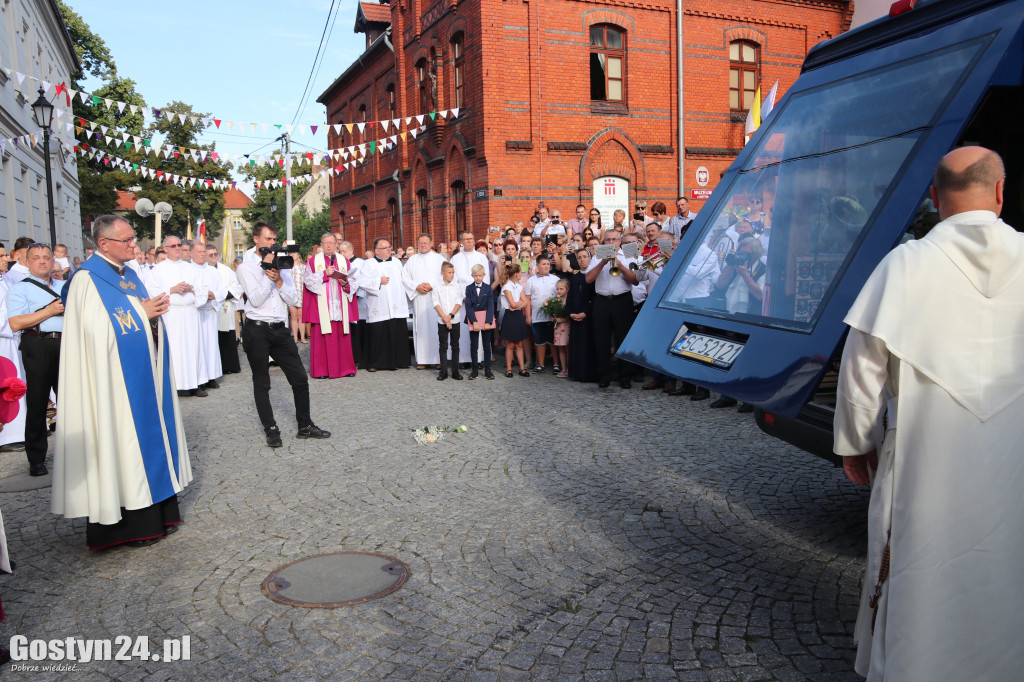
(288, 185)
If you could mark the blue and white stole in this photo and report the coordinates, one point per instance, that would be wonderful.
(132, 335)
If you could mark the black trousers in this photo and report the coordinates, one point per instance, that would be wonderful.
(442, 343)
(41, 358)
(259, 344)
(474, 339)
(612, 315)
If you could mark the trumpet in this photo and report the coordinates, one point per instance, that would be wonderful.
(615, 270)
(652, 262)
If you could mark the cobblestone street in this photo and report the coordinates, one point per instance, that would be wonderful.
(572, 533)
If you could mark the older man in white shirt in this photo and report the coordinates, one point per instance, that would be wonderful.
(613, 308)
(421, 275)
(387, 309)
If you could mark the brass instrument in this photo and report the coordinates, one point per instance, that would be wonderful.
(652, 262)
(615, 270)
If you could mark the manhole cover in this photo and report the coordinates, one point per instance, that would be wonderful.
(326, 581)
(20, 483)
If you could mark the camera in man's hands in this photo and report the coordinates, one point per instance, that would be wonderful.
(740, 258)
(283, 260)
(639, 215)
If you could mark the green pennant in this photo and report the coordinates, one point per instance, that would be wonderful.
(432, 115)
(373, 146)
(277, 125)
(135, 166)
(145, 143)
(95, 100)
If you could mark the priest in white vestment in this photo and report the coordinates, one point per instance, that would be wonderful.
(421, 275)
(932, 380)
(464, 261)
(387, 309)
(182, 282)
(9, 348)
(120, 456)
(209, 318)
(227, 338)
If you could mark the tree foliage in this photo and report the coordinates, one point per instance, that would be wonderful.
(92, 52)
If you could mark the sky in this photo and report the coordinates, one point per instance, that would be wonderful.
(238, 60)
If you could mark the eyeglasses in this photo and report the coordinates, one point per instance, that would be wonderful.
(383, 248)
(124, 241)
(169, 246)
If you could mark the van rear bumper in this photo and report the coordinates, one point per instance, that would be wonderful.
(810, 430)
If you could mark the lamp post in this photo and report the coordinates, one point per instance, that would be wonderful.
(42, 111)
(273, 211)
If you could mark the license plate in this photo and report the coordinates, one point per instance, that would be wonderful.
(705, 348)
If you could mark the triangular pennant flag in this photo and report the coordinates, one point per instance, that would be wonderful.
(348, 128)
(289, 128)
(337, 128)
(455, 112)
(108, 102)
(419, 119)
(396, 122)
(216, 122)
(120, 107)
(265, 127)
(414, 132)
(408, 120)
(444, 114)
(312, 129)
(21, 77)
(433, 115)
(302, 130)
(133, 108)
(402, 135)
(362, 126)
(384, 125)
(228, 124)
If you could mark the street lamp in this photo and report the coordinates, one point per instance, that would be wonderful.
(42, 111)
(273, 211)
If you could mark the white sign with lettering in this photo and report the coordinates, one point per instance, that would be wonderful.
(611, 193)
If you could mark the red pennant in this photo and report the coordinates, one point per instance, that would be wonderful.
(82, 121)
(159, 173)
(309, 155)
(216, 122)
(280, 162)
(106, 162)
(176, 155)
(209, 182)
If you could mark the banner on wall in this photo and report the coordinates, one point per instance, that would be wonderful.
(611, 193)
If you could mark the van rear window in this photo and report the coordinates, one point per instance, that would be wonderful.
(784, 230)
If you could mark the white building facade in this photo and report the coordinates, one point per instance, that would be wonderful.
(34, 42)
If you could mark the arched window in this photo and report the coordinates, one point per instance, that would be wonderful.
(389, 104)
(393, 222)
(362, 112)
(422, 86)
(607, 63)
(743, 74)
(459, 201)
(423, 204)
(364, 220)
(458, 70)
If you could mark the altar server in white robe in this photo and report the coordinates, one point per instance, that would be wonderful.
(10, 340)
(387, 309)
(421, 275)
(932, 380)
(358, 329)
(227, 339)
(210, 369)
(187, 289)
(464, 261)
(120, 456)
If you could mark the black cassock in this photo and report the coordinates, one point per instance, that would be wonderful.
(581, 338)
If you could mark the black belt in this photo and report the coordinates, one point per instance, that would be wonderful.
(268, 325)
(42, 335)
(616, 295)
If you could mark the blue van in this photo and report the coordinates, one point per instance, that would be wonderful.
(834, 179)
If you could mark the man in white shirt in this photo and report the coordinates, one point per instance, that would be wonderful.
(555, 225)
(387, 309)
(542, 222)
(188, 291)
(421, 274)
(613, 309)
(538, 290)
(268, 293)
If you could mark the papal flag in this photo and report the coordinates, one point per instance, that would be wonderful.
(753, 116)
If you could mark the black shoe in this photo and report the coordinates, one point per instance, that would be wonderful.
(442, 375)
(488, 374)
(212, 383)
(700, 394)
(744, 408)
(199, 393)
(539, 369)
(685, 389)
(473, 375)
(37, 469)
(456, 376)
(274, 437)
(625, 384)
(171, 530)
(312, 431)
(724, 401)
(604, 384)
(184, 394)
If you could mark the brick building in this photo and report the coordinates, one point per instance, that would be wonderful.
(564, 101)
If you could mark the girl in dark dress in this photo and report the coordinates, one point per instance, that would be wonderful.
(579, 305)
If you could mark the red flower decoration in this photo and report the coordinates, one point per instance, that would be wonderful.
(12, 389)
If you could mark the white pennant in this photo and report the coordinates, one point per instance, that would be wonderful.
(444, 114)
(120, 107)
(455, 112)
(419, 119)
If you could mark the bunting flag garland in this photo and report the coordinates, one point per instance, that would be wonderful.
(28, 139)
(217, 122)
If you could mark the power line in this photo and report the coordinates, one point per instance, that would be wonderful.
(312, 70)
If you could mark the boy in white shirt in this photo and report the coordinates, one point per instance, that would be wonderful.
(447, 300)
(539, 289)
